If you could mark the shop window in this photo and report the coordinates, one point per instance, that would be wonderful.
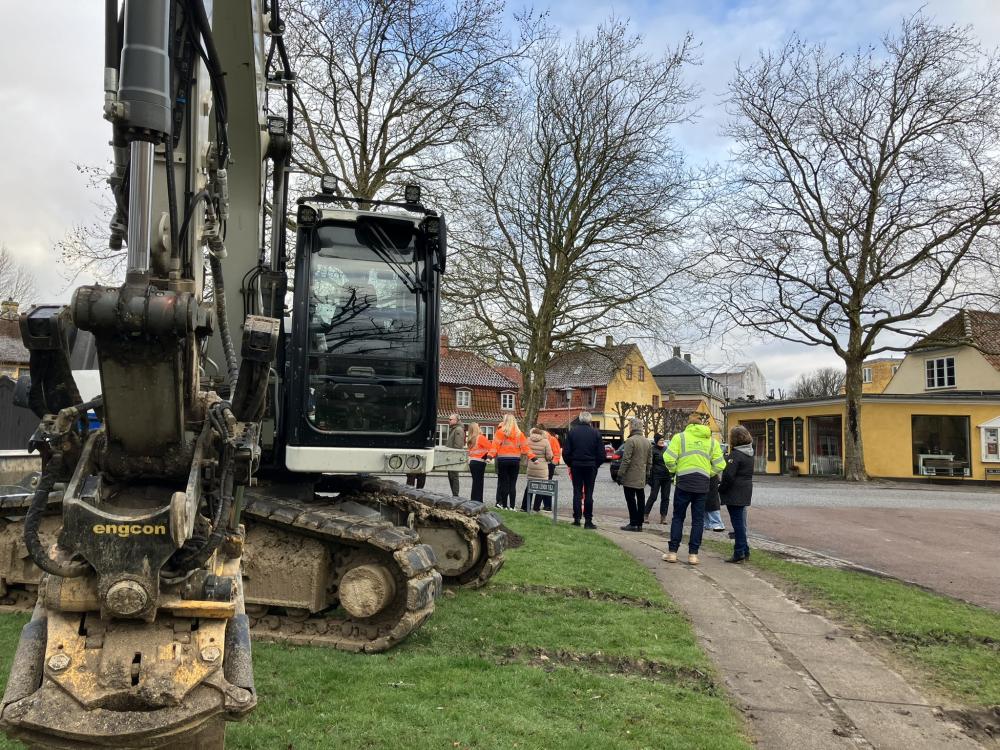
(507, 401)
(989, 439)
(758, 431)
(940, 445)
(463, 398)
(826, 457)
(940, 372)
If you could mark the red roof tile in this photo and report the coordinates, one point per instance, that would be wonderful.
(976, 328)
(465, 368)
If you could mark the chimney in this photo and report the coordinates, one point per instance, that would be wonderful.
(8, 309)
(677, 352)
(444, 344)
(609, 341)
(687, 358)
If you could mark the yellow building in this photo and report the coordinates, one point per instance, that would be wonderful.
(596, 380)
(939, 415)
(876, 373)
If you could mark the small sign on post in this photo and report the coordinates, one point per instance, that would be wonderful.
(544, 487)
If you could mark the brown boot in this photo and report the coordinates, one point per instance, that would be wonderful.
(663, 518)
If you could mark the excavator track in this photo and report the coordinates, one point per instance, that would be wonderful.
(481, 529)
(353, 542)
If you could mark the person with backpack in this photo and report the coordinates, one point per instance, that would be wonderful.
(693, 457)
(658, 480)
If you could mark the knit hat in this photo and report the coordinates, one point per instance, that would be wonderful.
(657, 438)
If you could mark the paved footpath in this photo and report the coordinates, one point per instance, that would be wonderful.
(800, 680)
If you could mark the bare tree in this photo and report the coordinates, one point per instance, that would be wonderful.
(16, 283)
(84, 249)
(623, 410)
(826, 381)
(866, 193)
(386, 87)
(571, 209)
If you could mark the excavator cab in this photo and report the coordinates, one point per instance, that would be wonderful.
(361, 364)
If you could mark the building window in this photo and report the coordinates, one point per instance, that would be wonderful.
(507, 401)
(894, 368)
(825, 446)
(463, 398)
(592, 400)
(989, 435)
(642, 373)
(628, 372)
(488, 431)
(656, 402)
(940, 372)
(442, 434)
(940, 445)
(866, 375)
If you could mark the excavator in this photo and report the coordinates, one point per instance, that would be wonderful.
(229, 489)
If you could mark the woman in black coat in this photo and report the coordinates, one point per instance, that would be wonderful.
(736, 488)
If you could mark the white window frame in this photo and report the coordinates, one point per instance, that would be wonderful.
(931, 372)
(488, 430)
(894, 369)
(442, 433)
(507, 401)
(866, 374)
(459, 392)
(985, 429)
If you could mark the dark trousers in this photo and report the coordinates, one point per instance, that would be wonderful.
(738, 516)
(635, 499)
(682, 499)
(416, 480)
(583, 492)
(478, 471)
(660, 486)
(552, 470)
(507, 482)
(453, 481)
(539, 501)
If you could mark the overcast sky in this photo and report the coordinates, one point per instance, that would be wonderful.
(52, 97)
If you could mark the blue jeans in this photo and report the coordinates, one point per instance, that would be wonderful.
(682, 499)
(738, 515)
(713, 519)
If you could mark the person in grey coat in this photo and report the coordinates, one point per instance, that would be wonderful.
(636, 455)
(456, 439)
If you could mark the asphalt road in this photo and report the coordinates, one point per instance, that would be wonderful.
(939, 537)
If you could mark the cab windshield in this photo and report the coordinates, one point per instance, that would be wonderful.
(366, 328)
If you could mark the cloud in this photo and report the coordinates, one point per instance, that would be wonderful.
(53, 95)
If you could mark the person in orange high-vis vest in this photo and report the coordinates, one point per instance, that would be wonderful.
(556, 454)
(479, 447)
(509, 444)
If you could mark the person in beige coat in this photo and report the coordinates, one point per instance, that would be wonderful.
(636, 456)
(538, 467)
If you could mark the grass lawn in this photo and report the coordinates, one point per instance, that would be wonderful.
(573, 645)
(954, 646)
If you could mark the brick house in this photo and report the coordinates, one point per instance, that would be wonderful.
(595, 380)
(477, 392)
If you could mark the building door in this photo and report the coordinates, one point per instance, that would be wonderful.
(786, 443)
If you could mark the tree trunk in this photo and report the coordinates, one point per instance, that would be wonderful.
(854, 454)
(533, 376)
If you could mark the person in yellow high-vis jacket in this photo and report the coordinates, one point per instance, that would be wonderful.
(693, 457)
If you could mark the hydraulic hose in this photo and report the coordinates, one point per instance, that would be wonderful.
(38, 553)
(219, 290)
